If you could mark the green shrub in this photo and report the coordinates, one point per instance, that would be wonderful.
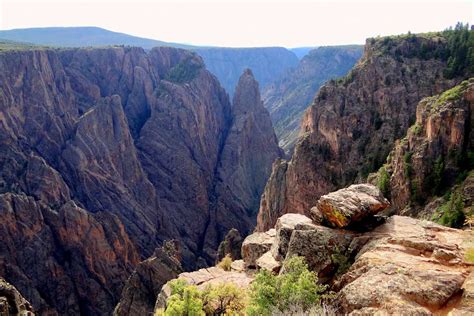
(452, 214)
(225, 263)
(342, 262)
(184, 300)
(416, 129)
(224, 299)
(184, 72)
(383, 182)
(295, 286)
(459, 52)
(188, 300)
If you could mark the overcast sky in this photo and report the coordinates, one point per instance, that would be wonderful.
(288, 23)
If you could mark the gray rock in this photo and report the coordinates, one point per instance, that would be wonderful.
(255, 245)
(284, 227)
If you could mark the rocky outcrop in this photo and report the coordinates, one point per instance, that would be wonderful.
(12, 303)
(353, 122)
(143, 286)
(434, 155)
(230, 246)
(407, 267)
(125, 146)
(288, 97)
(403, 266)
(283, 231)
(351, 205)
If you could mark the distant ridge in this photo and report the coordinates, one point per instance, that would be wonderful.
(226, 64)
(80, 37)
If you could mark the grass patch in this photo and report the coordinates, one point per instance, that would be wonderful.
(225, 263)
(469, 255)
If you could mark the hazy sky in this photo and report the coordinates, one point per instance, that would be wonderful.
(287, 23)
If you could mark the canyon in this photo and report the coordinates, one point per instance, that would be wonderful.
(122, 168)
(108, 152)
(287, 97)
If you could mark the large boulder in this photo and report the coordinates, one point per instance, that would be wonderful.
(284, 228)
(352, 204)
(325, 249)
(255, 245)
(407, 267)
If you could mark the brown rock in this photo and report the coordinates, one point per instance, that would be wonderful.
(124, 145)
(289, 95)
(247, 156)
(238, 265)
(273, 196)
(352, 204)
(268, 262)
(466, 304)
(325, 250)
(396, 272)
(71, 254)
(429, 159)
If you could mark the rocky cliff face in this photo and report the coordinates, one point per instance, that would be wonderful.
(288, 97)
(435, 156)
(353, 122)
(105, 153)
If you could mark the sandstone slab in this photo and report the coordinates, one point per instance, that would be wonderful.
(399, 271)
